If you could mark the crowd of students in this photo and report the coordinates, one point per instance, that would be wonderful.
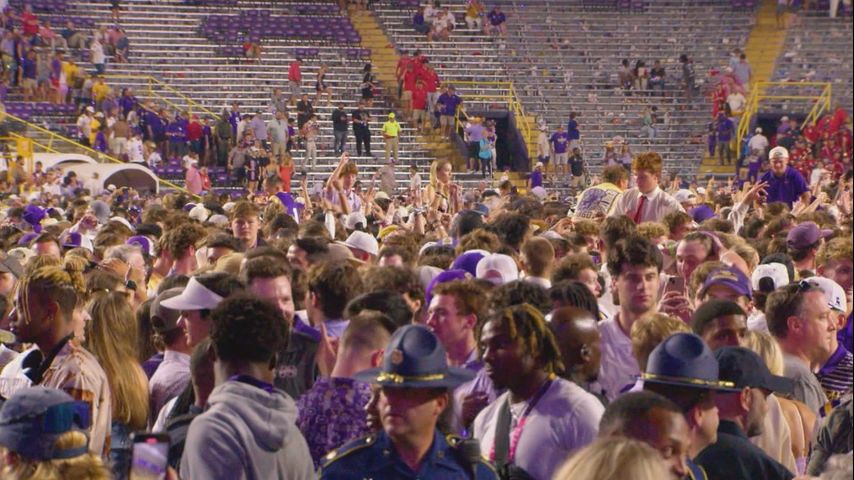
(342, 332)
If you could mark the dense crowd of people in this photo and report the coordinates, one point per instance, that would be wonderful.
(445, 331)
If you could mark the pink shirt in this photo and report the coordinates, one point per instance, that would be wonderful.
(193, 180)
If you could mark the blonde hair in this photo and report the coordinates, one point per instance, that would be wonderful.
(612, 458)
(651, 330)
(112, 337)
(434, 169)
(59, 281)
(83, 467)
(652, 230)
(767, 348)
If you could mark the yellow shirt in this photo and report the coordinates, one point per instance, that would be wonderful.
(95, 125)
(391, 128)
(100, 91)
(70, 70)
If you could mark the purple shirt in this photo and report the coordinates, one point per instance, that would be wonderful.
(127, 103)
(572, 130)
(536, 179)
(496, 18)
(786, 188)
(332, 413)
(725, 128)
(560, 140)
(150, 366)
(176, 132)
(449, 103)
(475, 132)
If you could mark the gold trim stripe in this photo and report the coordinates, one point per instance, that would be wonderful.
(693, 381)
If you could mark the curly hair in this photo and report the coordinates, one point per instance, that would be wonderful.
(177, 240)
(511, 228)
(247, 329)
(571, 266)
(526, 325)
(396, 279)
(649, 161)
(576, 294)
(470, 297)
(478, 239)
(633, 250)
(244, 209)
(651, 330)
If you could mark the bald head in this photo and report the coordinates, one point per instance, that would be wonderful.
(579, 341)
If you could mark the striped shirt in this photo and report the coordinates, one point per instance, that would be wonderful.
(837, 374)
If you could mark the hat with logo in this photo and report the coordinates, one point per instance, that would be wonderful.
(33, 418)
(744, 368)
(805, 235)
(77, 240)
(778, 152)
(729, 277)
(685, 360)
(833, 292)
(415, 358)
(769, 277)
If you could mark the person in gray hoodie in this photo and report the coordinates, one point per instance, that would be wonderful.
(248, 430)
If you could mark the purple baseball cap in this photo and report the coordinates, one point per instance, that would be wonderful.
(446, 276)
(729, 277)
(701, 213)
(468, 261)
(804, 235)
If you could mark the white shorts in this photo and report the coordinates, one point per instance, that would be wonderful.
(561, 158)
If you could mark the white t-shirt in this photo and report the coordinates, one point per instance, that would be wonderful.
(619, 368)
(565, 419)
(135, 151)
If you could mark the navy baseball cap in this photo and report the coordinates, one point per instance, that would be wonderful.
(415, 358)
(744, 368)
(33, 418)
(684, 359)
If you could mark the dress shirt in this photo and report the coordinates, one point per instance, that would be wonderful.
(169, 379)
(658, 204)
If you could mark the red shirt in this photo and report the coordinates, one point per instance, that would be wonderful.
(409, 80)
(431, 80)
(285, 176)
(401, 66)
(31, 23)
(419, 99)
(294, 73)
(194, 131)
(206, 181)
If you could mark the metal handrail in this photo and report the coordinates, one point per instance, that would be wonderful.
(96, 155)
(822, 103)
(151, 82)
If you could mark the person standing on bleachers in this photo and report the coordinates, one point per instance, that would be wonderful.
(295, 80)
(391, 136)
(361, 129)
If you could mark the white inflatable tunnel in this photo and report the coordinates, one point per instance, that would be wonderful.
(119, 174)
(62, 160)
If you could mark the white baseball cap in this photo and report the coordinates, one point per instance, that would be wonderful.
(194, 297)
(497, 268)
(833, 292)
(684, 195)
(354, 219)
(778, 152)
(777, 272)
(200, 213)
(363, 241)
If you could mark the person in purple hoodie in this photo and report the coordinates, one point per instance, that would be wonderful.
(234, 118)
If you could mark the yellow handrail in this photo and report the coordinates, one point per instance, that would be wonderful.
(822, 103)
(96, 155)
(151, 82)
(508, 97)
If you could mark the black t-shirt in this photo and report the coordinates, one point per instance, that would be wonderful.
(339, 120)
(576, 165)
(357, 116)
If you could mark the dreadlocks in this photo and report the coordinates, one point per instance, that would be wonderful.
(62, 284)
(527, 326)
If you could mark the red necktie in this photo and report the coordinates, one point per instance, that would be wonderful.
(639, 211)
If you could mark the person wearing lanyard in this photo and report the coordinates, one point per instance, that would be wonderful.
(532, 428)
(248, 429)
(414, 381)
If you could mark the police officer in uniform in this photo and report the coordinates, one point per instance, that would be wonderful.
(415, 383)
